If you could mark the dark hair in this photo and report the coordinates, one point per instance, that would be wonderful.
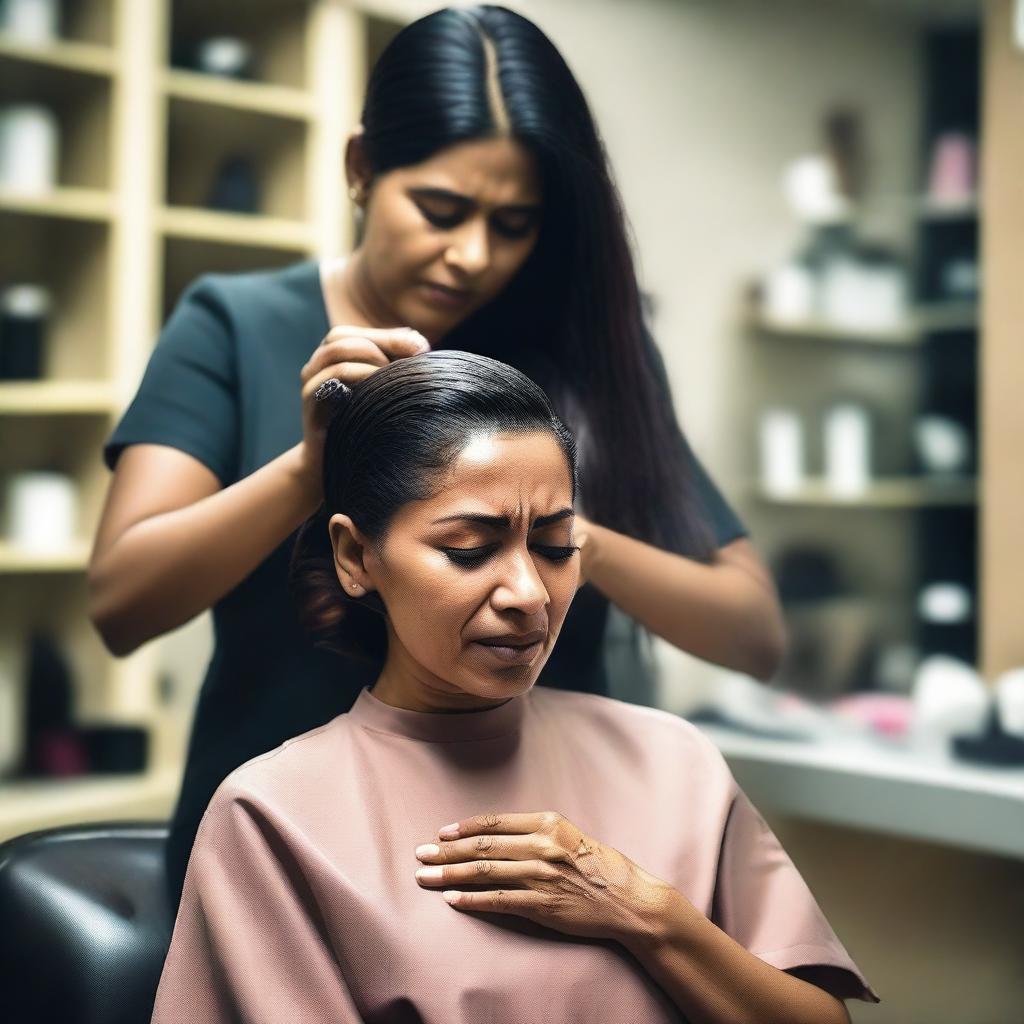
(572, 318)
(390, 438)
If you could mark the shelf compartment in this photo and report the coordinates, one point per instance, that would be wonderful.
(70, 259)
(892, 492)
(201, 136)
(278, 100)
(186, 258)
(277, 33)
(81, 100)
(70, 444)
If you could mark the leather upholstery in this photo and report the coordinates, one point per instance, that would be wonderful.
(84, 924)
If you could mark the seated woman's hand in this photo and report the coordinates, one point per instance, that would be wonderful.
(542, 867)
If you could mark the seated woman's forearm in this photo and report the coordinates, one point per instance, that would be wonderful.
(718, 612)
(164, 570)
(712, 979)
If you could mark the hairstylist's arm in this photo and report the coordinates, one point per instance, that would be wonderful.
(726, 612)
(172, 540)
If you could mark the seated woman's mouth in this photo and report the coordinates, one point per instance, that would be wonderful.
(512, 649)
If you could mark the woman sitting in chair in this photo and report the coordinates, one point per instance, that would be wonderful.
(460, 847)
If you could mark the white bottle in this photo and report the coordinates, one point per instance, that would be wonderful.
(782, 452)
(847, 450)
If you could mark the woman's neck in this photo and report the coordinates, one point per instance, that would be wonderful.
(349, 298)
(405, 684)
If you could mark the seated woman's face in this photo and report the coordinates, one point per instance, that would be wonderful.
(477, 579)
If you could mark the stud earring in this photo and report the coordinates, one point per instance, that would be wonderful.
(355, 193)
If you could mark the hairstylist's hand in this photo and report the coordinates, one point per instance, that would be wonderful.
(542, 867)
(348, 354)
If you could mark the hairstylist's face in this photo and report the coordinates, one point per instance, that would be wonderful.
(444, 237)
(477, 580)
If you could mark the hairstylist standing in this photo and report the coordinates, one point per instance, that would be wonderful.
(490, 224)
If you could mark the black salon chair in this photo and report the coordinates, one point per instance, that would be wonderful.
(84, 924)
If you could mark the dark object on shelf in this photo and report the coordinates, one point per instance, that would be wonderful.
(235, 188)
(52, 746)
(807, 574)
(24, 309)
(994, 746)
(223, 56)
(115, 748)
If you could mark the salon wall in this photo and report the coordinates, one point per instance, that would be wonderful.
(702, 103)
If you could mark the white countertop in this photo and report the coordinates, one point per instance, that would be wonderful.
(870, 784)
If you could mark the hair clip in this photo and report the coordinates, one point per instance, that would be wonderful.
(329, 387)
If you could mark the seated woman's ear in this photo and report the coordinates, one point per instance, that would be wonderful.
(350, 548)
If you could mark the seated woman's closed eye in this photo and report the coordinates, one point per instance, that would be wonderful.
(462, 845)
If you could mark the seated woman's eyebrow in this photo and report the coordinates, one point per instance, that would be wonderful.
(505, 522)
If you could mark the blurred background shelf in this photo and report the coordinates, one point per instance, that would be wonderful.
(22, 398)
(279, 100)
(15, 560)
(60, 54)
(71, 203)
(909, 492)
(880, 787)
(30, 805)
(946, 317)
(237, 229)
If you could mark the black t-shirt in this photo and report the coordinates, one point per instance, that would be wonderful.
(223, 385)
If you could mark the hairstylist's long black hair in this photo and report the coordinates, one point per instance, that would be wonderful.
(572, 317)
(389, 440)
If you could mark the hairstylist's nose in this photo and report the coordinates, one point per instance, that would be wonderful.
(522, 588)
(469, 251)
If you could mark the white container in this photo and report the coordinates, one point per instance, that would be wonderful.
(42, 512)
(950, 700)
(847, 450)
(30, 21)
(782, 452)
(1010, 701)
(28, 148)
(789, 294)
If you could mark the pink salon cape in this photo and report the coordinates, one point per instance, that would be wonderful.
(301, 907)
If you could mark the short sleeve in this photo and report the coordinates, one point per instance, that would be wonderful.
(249, 942)
(188, 396)
(726, 525)
(763, 903)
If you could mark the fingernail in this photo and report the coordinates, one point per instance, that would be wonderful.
(450, 896)
(428, 850)
(449, 831)
(429, 874)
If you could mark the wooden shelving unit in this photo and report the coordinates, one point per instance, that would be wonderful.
(141, 139)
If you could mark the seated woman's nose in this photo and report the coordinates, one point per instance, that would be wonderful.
(522, 588)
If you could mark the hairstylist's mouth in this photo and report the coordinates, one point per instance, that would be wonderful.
(512, 648)
(443, 295)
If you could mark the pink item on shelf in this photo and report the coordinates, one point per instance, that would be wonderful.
(953, 175)
(890, 714)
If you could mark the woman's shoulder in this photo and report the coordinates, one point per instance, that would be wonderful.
(250, 296)
(285, 776)
(656, 732)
